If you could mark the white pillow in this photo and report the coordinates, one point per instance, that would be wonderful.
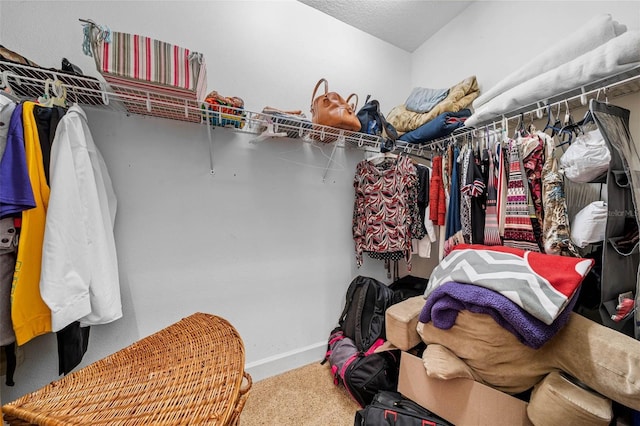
(589, 224)
(586, 159)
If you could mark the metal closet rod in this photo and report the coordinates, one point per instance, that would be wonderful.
(502, 123)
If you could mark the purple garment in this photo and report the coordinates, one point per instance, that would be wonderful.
(444, 303)
(16, 194)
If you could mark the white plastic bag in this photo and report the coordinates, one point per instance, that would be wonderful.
(589, 224)
(586, 159)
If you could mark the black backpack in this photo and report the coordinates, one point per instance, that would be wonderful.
(362, 319)
(372, 121)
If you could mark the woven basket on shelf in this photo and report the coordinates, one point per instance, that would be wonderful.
(190, 373)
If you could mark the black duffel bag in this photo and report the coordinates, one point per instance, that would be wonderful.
(363, 374)
(390, 408)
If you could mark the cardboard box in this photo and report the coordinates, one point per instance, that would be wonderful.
(462, 402)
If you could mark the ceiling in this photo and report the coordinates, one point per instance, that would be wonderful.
(403, 23)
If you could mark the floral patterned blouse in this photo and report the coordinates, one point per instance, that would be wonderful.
(385, 213)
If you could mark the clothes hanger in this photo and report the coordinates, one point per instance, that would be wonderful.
(9, 95)
(531, 128)
(271, 131)
(569, 127)
(588, 116)
(381, 158)
(520, 127)
(7, 91)
(555, 127)
(59, 91)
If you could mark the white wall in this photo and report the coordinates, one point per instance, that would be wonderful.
(263, 242)
(491, 39)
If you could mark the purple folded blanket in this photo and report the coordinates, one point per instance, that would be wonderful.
(444, 303)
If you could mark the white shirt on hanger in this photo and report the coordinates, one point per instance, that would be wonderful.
(79, 279)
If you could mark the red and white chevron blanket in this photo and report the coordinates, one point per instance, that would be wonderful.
(541, 284)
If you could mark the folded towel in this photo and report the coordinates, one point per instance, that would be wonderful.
(597, 31)
(459, 97)
(443, 305)
(423, 100)
(618, 55)
(541, 284)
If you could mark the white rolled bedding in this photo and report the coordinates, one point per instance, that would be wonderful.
(595, 32)
(617, 55)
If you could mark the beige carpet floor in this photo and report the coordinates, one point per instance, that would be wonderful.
(305, 396)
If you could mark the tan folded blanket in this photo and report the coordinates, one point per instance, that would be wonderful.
(460, 96)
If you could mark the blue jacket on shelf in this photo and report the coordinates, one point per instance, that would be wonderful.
(443, 125)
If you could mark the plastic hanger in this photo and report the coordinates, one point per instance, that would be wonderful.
(7, 91)
(569, 127)
(381, 158)
(59, 91)
(555, 127)
(520, 128)
(10, 96)
(588, 116)
(531, 128)
(271, 131)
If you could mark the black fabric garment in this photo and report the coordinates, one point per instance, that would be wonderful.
(47, 119)
(8, 255)
(10, 357)
(423, 192)
(73, 341)
(476, 178)
(484, 165)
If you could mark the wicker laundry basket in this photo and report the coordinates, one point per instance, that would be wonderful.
(190, 373)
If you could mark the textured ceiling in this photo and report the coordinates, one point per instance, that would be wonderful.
(403, 23)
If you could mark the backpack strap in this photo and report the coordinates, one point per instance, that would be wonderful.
(360, 307)
(379, 342)
(349, 296)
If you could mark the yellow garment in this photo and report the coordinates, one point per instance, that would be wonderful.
(30, 315)
(460, 96)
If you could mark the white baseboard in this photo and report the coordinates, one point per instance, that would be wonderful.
(280, 363)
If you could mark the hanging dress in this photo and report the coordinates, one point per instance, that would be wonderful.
(437, 201)
(453, 234)
(474, 189)
(385, 210)
(465, 195)
(533, 160)
(518, 232)
(502, 172)
(491, 227)
(453, 212)
(555, 227)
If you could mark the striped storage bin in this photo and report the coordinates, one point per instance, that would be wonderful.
(151, 77)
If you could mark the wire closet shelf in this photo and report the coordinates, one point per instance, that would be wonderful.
(30, 83)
